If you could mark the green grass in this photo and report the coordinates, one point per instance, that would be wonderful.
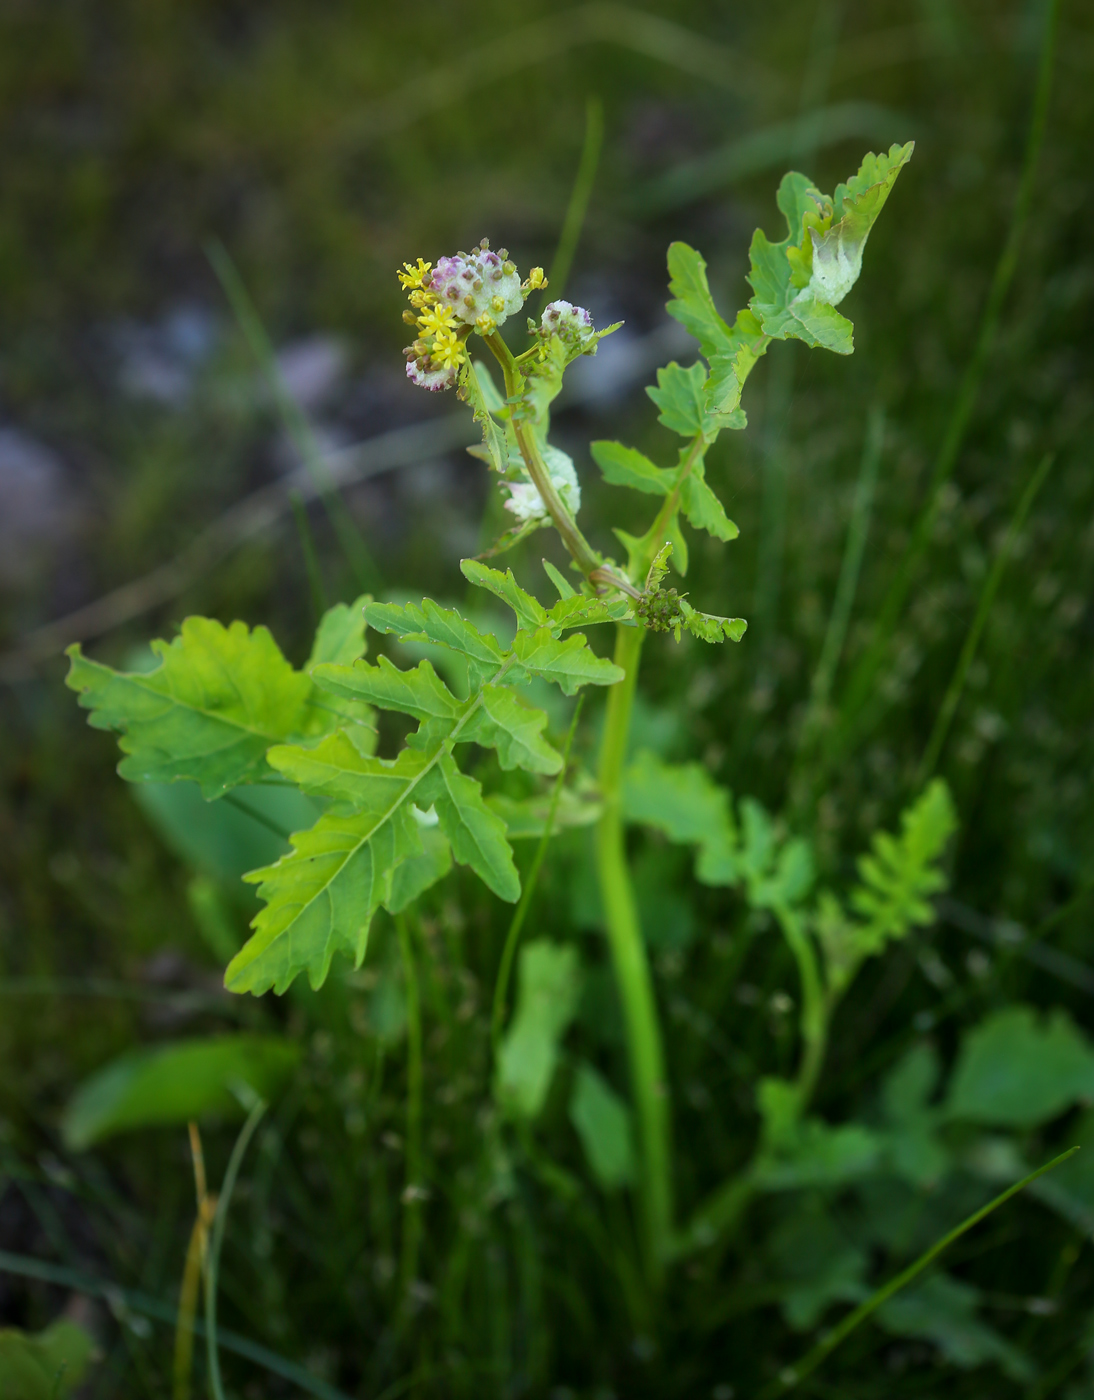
(141, 136)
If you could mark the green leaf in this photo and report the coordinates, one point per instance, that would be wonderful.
(679, 396)
(603, 1123)
(703, 508)
(941, 1310)
(565, 589)
(340, 636)
(582, 611)
(477, 834)
(625, 466)
(174, 1083)
(45, 1365)
(694, 307)
(683, 801)
(798, 282)
(549, 988)
(526, 818)
(219, 698)
(515, 729)
(570, 663)
(429, 623)
(419, 692)
(799, 1153)
(321, 896)
(837, 252)
(901, 873)
(1017, 1069)
(485, 400)
(530, 613)
(710, 628)
(416, 874)
(225, 839)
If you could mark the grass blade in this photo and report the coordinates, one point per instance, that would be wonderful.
(972, 641)
(212, 1265)
(296, 424)
(793, 1375)
(574, 222)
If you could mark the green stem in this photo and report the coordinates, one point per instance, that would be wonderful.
(814, 1012)
(579, 547)
(412, 1228)
(501, 986)
(632, 969)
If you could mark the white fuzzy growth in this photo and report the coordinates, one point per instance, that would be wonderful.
(526, 503)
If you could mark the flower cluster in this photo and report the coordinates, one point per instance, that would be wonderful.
(476, 291)
(660, 610)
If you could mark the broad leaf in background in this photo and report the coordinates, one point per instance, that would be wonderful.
(603, 1123)
(45, 1365)
(213, 706)
(549, 988)
(176, 1082)
(1018, 1069)
(682, 801)
(226, 839)
(942, 1310)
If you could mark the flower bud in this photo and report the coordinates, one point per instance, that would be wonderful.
(572, 323)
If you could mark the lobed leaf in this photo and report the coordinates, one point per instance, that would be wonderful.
(693, 306)
(477, 834)
(217, 701)
(529, 611)
(710, 628)
(703, 508)
(340, 636)
(679, 397)
(570, 663)
(320, 898)
(625, 466)
(683, 801)
(515, 729)
(427, 622)
(900, 874)
(419, 692)
(416, 874)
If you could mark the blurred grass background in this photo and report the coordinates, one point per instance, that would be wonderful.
(322, 146)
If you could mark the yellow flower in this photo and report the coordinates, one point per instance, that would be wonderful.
(412, 277)
(435, 320)
(536, 279)
(447, 350)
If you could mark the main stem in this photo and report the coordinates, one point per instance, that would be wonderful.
(632, 969)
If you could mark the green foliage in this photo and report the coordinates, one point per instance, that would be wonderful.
(175, 1083)
(799, 282)
(603, 1124)
(46, 1365)
(1017, 1069)
(900, 873)
(219, 699)
(548, 990)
